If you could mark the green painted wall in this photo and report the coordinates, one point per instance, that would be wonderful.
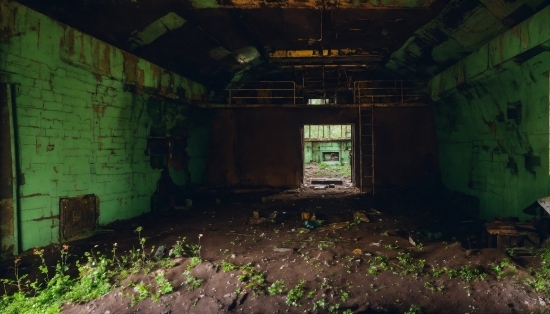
(84, 111)
(492, 120)
(313, 151)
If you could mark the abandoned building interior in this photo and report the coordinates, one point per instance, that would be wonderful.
(270, 156)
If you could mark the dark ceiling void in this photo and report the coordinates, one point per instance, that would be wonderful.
(218, 41)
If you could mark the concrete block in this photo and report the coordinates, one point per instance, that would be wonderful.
(54, 133)
(68, 108)
(36, 234)
(28, 101)
(22, 80)
(47, 95)
(63, 91)
(53, 106)
(31, 91)
(75, 101)
(53, 115)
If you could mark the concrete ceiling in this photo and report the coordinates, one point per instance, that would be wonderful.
(223, 40)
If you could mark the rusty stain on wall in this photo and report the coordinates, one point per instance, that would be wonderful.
(7, 22)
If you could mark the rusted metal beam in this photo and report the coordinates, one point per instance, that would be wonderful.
(310, 53)
(395, 104)
(315, 4)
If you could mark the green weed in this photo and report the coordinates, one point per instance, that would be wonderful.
(278, 287)
(295, 294)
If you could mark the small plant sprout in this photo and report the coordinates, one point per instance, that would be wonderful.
(278, 287)
(295, 294)
(199, 248)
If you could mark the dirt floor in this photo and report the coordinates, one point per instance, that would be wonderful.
(314, 170)
(366, 267)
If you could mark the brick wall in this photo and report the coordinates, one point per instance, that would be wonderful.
(492, 120)
(81, 129)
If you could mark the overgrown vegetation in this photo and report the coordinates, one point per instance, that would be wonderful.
(98, 274)
(333, 171)
(541, 281)
(295, 294)
(252, 279)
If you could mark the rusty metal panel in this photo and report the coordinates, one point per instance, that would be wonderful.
(78, 216)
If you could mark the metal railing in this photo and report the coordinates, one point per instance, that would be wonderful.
(262, 92)
(289, 93)
(377, 91)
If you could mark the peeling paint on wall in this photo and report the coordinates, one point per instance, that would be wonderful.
(83, 121)
(492, 120)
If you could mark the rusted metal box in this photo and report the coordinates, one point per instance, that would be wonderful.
(78, 216)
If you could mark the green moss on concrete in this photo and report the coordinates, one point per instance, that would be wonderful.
(84, 112)
(492, 120)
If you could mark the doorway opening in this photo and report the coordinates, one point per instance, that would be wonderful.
(328, 155)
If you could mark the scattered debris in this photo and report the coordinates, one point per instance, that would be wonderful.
(373, 211)
(273, 216)
(305, 215)
(334, 226)
(160, 251)
(357, 251)
(411, 241)
(375, 244)
(294, 191)
(257, 221)
(312, 224)
(281, 249)
(256, 214)
(434, 235)
(320, 187)
(360, 216)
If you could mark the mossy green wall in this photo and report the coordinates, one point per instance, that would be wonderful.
(492, 120)
(84, 112)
